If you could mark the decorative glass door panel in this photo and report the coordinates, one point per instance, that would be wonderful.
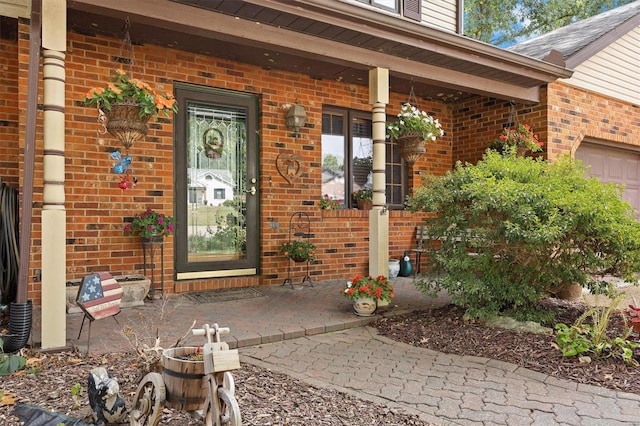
(218, 228)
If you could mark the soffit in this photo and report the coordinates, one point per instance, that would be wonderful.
(340, 43)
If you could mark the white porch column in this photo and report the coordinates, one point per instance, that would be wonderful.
(54, 216)
(378, 215)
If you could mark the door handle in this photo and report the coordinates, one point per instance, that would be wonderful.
(251, 191)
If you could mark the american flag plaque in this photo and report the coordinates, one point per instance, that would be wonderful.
(99, 296)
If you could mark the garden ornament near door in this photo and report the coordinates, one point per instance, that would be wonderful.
(289, 166)
(406, 268)
(123, 168)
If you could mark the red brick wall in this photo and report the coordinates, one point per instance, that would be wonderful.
(95, 206)
(9, 147)
(575, 114)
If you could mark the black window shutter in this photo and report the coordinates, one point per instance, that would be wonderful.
(412, 9)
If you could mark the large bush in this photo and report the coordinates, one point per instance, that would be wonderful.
(509, 229)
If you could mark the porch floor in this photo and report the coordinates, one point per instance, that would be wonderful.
(280, 313)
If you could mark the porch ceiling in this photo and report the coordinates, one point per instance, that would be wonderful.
(325, 40)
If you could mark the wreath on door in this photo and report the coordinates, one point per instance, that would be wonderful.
(213, 143)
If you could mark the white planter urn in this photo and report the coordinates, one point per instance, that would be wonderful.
(394, 268)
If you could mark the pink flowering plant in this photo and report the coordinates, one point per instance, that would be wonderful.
(365, 287)
(150, 223)
(327, 203)
(521, 136)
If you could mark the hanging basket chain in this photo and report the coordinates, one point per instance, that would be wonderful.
(513, 116)
(127, 46)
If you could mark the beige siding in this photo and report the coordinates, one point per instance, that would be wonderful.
(441, 14)
(614, 71)
(15, 8)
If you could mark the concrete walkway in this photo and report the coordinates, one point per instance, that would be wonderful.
(312, 335)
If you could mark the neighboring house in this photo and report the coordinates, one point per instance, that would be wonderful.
(210, 186)
(236, 67)
(595, 114)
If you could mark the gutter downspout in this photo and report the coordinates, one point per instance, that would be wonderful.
(21, 311)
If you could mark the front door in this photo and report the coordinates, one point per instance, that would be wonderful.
(217, 230)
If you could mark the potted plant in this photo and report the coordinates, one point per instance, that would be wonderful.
(522, 140)
(366, 292)
(412, 130)
(298, 251)
(128, 104)
(150, 224)
(327, 203)
(363, 198)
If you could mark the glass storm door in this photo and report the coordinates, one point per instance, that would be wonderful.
(216, 184)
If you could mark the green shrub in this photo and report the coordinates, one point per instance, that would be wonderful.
(531, 227)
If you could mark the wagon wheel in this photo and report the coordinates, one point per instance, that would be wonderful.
(229, 410)
(228, 383)
(148, 401)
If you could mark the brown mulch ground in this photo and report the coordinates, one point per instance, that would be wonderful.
(269, 398)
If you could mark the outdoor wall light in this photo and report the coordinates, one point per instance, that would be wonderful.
(296, 117)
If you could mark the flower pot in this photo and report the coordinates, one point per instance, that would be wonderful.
(412, 146)
(184, 379)
(394, 268)
(298, 259)
(125, 123)
(364, 307)
(365, 204)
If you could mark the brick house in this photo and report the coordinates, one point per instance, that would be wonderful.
(238, 67)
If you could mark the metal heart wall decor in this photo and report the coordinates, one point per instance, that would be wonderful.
(289, 166)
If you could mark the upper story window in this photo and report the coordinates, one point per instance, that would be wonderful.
(411, 9)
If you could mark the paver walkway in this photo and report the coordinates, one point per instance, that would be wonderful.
(442, 389)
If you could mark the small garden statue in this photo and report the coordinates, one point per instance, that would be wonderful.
(104, 397)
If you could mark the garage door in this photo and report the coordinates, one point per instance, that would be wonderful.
(616, 166)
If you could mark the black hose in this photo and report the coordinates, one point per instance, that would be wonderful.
(9, 249)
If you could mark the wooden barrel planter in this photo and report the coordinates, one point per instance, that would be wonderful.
(184, 380)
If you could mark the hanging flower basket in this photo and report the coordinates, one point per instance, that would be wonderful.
(361, 170)
(126, 104)
(125, 123)
(412, 130)
(412, 146)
